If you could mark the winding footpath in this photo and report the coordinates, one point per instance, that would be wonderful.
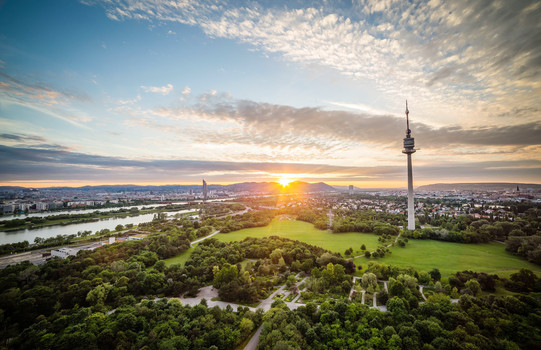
(202, 239)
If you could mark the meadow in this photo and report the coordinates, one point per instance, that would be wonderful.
(305, 232)
(424, 255)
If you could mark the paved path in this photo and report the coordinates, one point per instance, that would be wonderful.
(421, 290)
(208, 293)
(202, 239)
(252, 344)
(387, 246)
(385, 286)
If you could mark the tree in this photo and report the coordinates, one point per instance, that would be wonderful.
(369, 282)
(367, 254)
(525, 279)
(363, 247)
(246, 326)
(226, 274)
(119, 227)
(474, 287)
(98, 295)
(435, 274)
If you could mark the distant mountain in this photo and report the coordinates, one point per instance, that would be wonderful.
(259, 187)
(484, 186)
(274, 187)
(12, 188)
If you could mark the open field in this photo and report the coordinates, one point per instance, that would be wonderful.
(424, 255)
(305, 232)
(179, 259)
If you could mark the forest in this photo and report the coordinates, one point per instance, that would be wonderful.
(123, 296)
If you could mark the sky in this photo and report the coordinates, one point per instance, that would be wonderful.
(174, 91)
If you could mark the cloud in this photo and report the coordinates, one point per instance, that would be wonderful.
(187, 91)
(29, 141)
(43, 98)
(266, 124)
(37, 164)
(164, 90)
(21, 137)
(445, 52)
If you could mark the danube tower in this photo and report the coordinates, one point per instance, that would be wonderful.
(409, 149)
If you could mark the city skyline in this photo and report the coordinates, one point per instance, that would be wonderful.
(169, 92)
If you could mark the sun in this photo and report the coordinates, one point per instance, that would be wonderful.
(285, 181)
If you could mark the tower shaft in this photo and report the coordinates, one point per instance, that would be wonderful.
(411, 209)
(409, 149)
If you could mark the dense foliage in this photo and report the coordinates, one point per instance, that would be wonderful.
(367, 221)
(149, 325)
(219, 263)
(473, 323)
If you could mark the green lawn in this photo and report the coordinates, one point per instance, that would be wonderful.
(179, 259)
(424, 255)
(305, 232)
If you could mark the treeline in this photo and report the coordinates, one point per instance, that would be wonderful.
(11, 248)
(250, 219)
(367, 221)
(528, 247)
(466, 229)
(318, 217)
(216, 209)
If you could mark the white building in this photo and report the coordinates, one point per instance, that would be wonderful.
(64, 252)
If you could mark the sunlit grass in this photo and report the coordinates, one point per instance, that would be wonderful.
(179, 259)
(305, 232)
(424, 255)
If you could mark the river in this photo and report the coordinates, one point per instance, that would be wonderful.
(80, 211)
(85, 211)
(53, 231)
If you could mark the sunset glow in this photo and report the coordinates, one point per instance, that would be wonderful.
(285, 181)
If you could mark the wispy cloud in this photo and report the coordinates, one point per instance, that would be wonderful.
(39, 164)
(457, 53)
(164, 90)
(263, 123)
(43, 98)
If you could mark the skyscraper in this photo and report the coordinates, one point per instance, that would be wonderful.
(409, 149)
(204, 189)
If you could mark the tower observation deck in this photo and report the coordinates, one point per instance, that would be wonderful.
(409, 149)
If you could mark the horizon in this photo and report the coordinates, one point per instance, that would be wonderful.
(101, 92)
(274, 182)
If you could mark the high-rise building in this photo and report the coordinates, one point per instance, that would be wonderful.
(409, 149)
(204, 189)
(350, 189)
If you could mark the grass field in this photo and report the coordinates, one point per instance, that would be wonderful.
(424, 255)
(179, 259)
(305, 232)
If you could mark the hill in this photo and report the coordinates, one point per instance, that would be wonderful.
(256, 187)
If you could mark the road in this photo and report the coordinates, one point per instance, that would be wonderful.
(202, 239)
(252, 344)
